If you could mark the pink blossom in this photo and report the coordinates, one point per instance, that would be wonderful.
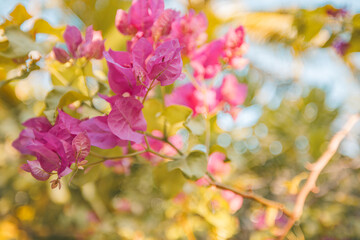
(73, 39)
(132, 73)
(55, 147)
(163, 25)
(190, 31)
(340, 46)
(142, 15)
(217, 166)
(206, 60)
(200, 101)
(235, 201)
(61, 55)
(93, 46)
(231, 91)
(126, 118)
(234, 48)
(90, 47)
(165, 65)
(100, 134)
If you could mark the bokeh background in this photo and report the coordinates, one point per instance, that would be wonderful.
(302, 88)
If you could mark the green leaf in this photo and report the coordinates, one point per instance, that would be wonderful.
(152, 111)
(21, 43)
(354, 44)
(60, 97)
(18, 16)
(42, 26)
(170, 182)
(193, 166)
(177, 114)
(196, 125)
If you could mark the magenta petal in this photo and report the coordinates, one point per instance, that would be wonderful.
(190, 30)
(25, 139)
(67, 122)
(233, 92)
(206, 60)
(143, 13)
(61, 55)
(48, 159)
(73, 39)
(100, 134)
(25, 167)
(126, 118)
(122, 22)
(162, 26)
(166, 64)
(141, 50)
(65, 172)
(81, 146)
(40, 124)
(93, 47)
(121, 77)
(37, 171)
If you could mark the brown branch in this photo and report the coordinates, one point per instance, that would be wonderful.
(250, 195)
(315, 170)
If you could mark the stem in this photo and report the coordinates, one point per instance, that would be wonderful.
(112, 158)
(315, 170)
(147, 92)
(160, 155)
(165, 140)
(250, 195)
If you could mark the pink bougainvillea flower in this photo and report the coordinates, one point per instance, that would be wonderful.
(73, 39)
(234, 48)
(235, 201)
(126, 118)
(132, 73)
(142, 15)
(55, 147)
(99, 133)
(340, 46)
(200, 101)
(231, 91)
(209, 99)
(165, 65)
(206, 60)
(217, 166)
(90, 47)
(81, 146)
(61, 55)
(190, 31)
(93, 45)
(163, 25)
(121, 76)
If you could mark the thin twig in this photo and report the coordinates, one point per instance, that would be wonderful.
(315, 170)
(112, 158)
(165, 141)
(250, 195)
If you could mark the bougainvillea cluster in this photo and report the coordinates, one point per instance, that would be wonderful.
(160, 39)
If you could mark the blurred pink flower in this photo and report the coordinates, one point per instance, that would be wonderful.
(90, 47)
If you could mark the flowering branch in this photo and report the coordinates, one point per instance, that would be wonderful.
(316, 169)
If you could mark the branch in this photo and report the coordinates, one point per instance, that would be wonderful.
(315, 170)
(165, 140)
(250, 195)
(112, 158)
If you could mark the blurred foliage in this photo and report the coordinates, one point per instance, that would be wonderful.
(111, 202)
